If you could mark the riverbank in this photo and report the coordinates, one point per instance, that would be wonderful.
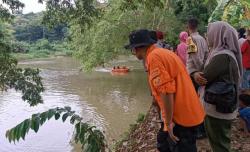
(41, 54)
(143, 138)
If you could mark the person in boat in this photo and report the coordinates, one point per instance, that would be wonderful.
(172, 88)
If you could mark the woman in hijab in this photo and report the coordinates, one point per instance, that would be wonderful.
(222, 73)
(182, 47)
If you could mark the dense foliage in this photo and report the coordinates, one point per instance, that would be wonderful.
(29, 28)
(32, 39)
(25, 80)
(92, 140)
(236, 12)
(105, 39)
(200, 9)
(29, 83)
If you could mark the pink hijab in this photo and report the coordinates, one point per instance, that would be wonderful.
(183, 36)
(182, 47)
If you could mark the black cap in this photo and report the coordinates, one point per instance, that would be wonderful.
(139, 38)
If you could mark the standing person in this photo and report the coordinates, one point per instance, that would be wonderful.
(221, 84)
(197, 55)
(197, 51)
(172, 88)
(159, 37)
(245, 50)
(242, 37)
(182, 47)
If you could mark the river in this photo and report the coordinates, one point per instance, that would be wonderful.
(108, 101)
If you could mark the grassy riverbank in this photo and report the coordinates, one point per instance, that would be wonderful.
(41, 54)
(40, 49)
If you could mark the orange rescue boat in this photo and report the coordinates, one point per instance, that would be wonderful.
(119, 70)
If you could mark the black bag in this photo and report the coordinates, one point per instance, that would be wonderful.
(222, 94)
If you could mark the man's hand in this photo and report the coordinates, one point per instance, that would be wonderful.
(171, 132)
(198, 78)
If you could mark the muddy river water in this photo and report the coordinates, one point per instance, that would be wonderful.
(110, 102)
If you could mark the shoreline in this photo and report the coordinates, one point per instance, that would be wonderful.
(27, 56)
(143, 138)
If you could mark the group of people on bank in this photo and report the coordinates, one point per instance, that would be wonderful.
(198, 87)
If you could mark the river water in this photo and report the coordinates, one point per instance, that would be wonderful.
(108, 101)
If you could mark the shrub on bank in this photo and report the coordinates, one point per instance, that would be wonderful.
(40, 49)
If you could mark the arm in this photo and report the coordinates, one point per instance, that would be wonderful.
(190, 65)
(168, 100)
(163, 82)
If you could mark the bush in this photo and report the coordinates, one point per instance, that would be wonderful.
(20, 47)
(43, 44)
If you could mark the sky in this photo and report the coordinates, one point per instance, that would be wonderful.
(32, 6)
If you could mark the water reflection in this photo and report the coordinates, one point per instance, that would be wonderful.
(109, 102)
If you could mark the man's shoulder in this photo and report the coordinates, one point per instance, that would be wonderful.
(198, 37)
(157, 53)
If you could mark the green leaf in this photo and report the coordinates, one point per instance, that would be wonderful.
(51, 112)
(18, 131)
(35, 124)
(7, 135)
(12, 135)
(43, 117)
(25, 128)
(72, 120)
(78, 129)
(57, 116)
(65, 116)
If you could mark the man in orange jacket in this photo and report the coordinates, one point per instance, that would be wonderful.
(171, 86)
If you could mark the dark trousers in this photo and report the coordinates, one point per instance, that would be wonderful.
(219, 133)
(187, 142)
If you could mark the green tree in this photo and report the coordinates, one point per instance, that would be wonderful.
(29, 83)
(200, 9)
(236, 12)
(105, 38)
(29, 28)
(96, 43)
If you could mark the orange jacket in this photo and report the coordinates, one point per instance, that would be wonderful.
(167, 74)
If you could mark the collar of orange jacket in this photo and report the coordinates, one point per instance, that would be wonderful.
(149, 50)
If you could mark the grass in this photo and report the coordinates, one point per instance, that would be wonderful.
(41, 54)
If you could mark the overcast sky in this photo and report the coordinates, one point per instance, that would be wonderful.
(32, 6)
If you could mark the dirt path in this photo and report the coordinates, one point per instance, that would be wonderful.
(143, 138)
